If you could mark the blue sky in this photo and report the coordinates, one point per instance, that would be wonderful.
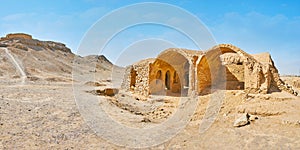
(254, 26)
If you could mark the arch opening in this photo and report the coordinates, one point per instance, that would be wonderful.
(174, 67)
(235, 69)
(204, 77)
(167, 80)
(186, 75)
(133, 74)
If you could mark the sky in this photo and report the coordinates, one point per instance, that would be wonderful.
(255, 26)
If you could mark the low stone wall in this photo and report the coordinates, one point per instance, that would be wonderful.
(141, 83)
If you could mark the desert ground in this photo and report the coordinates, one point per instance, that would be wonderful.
(46, 104)
(35, 115)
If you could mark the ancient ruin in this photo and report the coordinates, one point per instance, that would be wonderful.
(25, 41)
(182, 72)
(18, 35)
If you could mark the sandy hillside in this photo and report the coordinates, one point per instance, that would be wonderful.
(56, 103)
(46, 61)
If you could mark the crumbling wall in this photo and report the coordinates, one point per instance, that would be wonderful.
(252, 76)
(142, 80)
(235, 77)
(234, 66)
(276, 84)
(140, 71)
(126, 80)
(256, 75)
(222, 67)
(136, 78)
(133, 74)
(19, 35)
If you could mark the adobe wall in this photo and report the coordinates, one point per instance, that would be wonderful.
(256, 75)
(234, 66)
(141, 83)
(126, 80)
(223, 67)
(183, 61)
(18, 35)
(203, 76)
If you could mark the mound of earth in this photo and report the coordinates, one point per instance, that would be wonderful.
(35, 60)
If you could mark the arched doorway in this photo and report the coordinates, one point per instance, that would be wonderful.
(158, 76)
(173, 64)
(167, 80)
(186, 74)
(204, 77)
(132, 78)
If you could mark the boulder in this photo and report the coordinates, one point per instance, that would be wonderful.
(111, 91)
(242, 120)
(100, 92)
(146, 120)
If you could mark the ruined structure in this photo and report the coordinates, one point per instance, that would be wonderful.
(25, 41)
(185, 72)
(18, 35)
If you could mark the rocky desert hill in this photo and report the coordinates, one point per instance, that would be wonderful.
(20, 56)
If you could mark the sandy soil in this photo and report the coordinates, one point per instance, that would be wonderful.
(35, 115)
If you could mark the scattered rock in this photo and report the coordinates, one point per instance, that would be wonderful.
(99, 92)
(226, 114)
(242, 121)
(253, 117)
(3, 45)
(107, 80)
(266, 97)
(91, 83)
(146, 120)
(291, 122)
(138, 113)
(105, 92)
(15, 77)
(32, 78)
(111, 91)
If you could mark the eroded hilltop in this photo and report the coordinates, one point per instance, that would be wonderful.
(44, 60)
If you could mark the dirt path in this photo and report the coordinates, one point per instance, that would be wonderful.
(16, 64)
